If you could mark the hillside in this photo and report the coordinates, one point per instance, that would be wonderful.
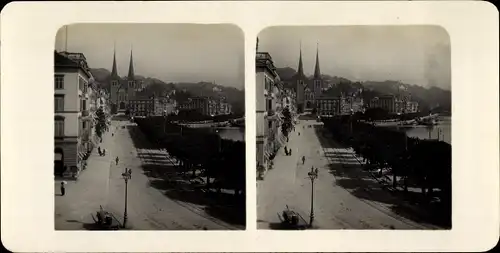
(432, 98)
(233, 96)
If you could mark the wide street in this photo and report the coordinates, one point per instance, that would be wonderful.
(149, 208)
(344, 196)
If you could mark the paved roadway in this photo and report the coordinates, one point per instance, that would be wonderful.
(344, 197)
(102, 184)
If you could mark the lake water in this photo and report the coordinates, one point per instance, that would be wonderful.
(422, 132)
(232, 133)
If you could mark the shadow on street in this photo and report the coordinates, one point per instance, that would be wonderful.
(350, 175)
(184, 185)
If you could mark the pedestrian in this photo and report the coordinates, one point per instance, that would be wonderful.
(112, 134)
(99, 151)
(117, 160)
(290, 152)
(63, 189)
(104, 152)
(303, 159)
(299, 133)
(286, 151)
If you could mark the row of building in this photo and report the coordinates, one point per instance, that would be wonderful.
(76, 99)
(394, 104)
(207, 106)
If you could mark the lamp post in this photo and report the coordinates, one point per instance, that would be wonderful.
(313, 174)
(164, 121)
(350, 127)
(127, 175)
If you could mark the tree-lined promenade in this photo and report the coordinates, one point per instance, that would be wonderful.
(202, 154)
(412, 163)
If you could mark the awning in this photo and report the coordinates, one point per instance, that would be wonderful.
(58, 157)
(81, 155)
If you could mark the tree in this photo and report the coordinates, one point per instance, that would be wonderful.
(287, 121)
(101, 122)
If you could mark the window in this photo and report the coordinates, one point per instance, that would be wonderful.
(59, 127)
(81, 84)
(84, 125)
(59, 82)
(270, 124)
(269, 104)
(59, 103)
(114, 83)
(83, 105)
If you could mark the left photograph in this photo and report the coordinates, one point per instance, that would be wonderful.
(149, 124)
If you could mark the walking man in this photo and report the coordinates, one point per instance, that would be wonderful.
(63, 189)
(303, 159)
(117, 160)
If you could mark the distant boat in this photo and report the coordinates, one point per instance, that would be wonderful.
(428, 122)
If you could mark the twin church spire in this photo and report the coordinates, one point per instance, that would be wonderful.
(114, 71)
(317, 71)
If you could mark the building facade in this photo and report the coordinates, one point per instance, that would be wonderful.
(144, 106)
(199, 104)
(267, 117)
(394, 105)
(328, 106)
(308, 90)
(73, 120)
(207, 106)
(123, 91)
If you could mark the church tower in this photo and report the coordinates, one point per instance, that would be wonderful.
(114, 82)
(301, 82)
(317, 80)
(131, 82)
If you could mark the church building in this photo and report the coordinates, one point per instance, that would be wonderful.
(123, 91)
(308, 90)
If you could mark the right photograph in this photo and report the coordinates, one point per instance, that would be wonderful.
(353, 127)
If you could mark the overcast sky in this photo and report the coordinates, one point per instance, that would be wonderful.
(412, 54)
(169, 52)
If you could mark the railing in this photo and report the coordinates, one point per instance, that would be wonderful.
(85, 113)
(271, 113)
(263, 56)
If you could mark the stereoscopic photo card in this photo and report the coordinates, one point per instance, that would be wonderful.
(250, 126)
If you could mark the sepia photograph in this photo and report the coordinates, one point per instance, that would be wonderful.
(353, 127)
(149, 127)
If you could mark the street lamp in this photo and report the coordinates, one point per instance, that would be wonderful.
(164, 121)
(313, 174)
(352, 112)
(127, 175)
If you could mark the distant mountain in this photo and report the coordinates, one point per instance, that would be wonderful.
(286, 73)
(233, 96)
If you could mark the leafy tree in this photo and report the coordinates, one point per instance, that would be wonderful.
(101, 122)
(287, 121)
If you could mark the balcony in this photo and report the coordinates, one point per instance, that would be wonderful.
(85, 113)
(271, 113)
(264, 60)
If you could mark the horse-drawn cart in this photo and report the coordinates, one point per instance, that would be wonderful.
(105, 220)
(292, 220)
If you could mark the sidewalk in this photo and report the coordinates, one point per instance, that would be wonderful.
(84, 195)
(277, 189)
